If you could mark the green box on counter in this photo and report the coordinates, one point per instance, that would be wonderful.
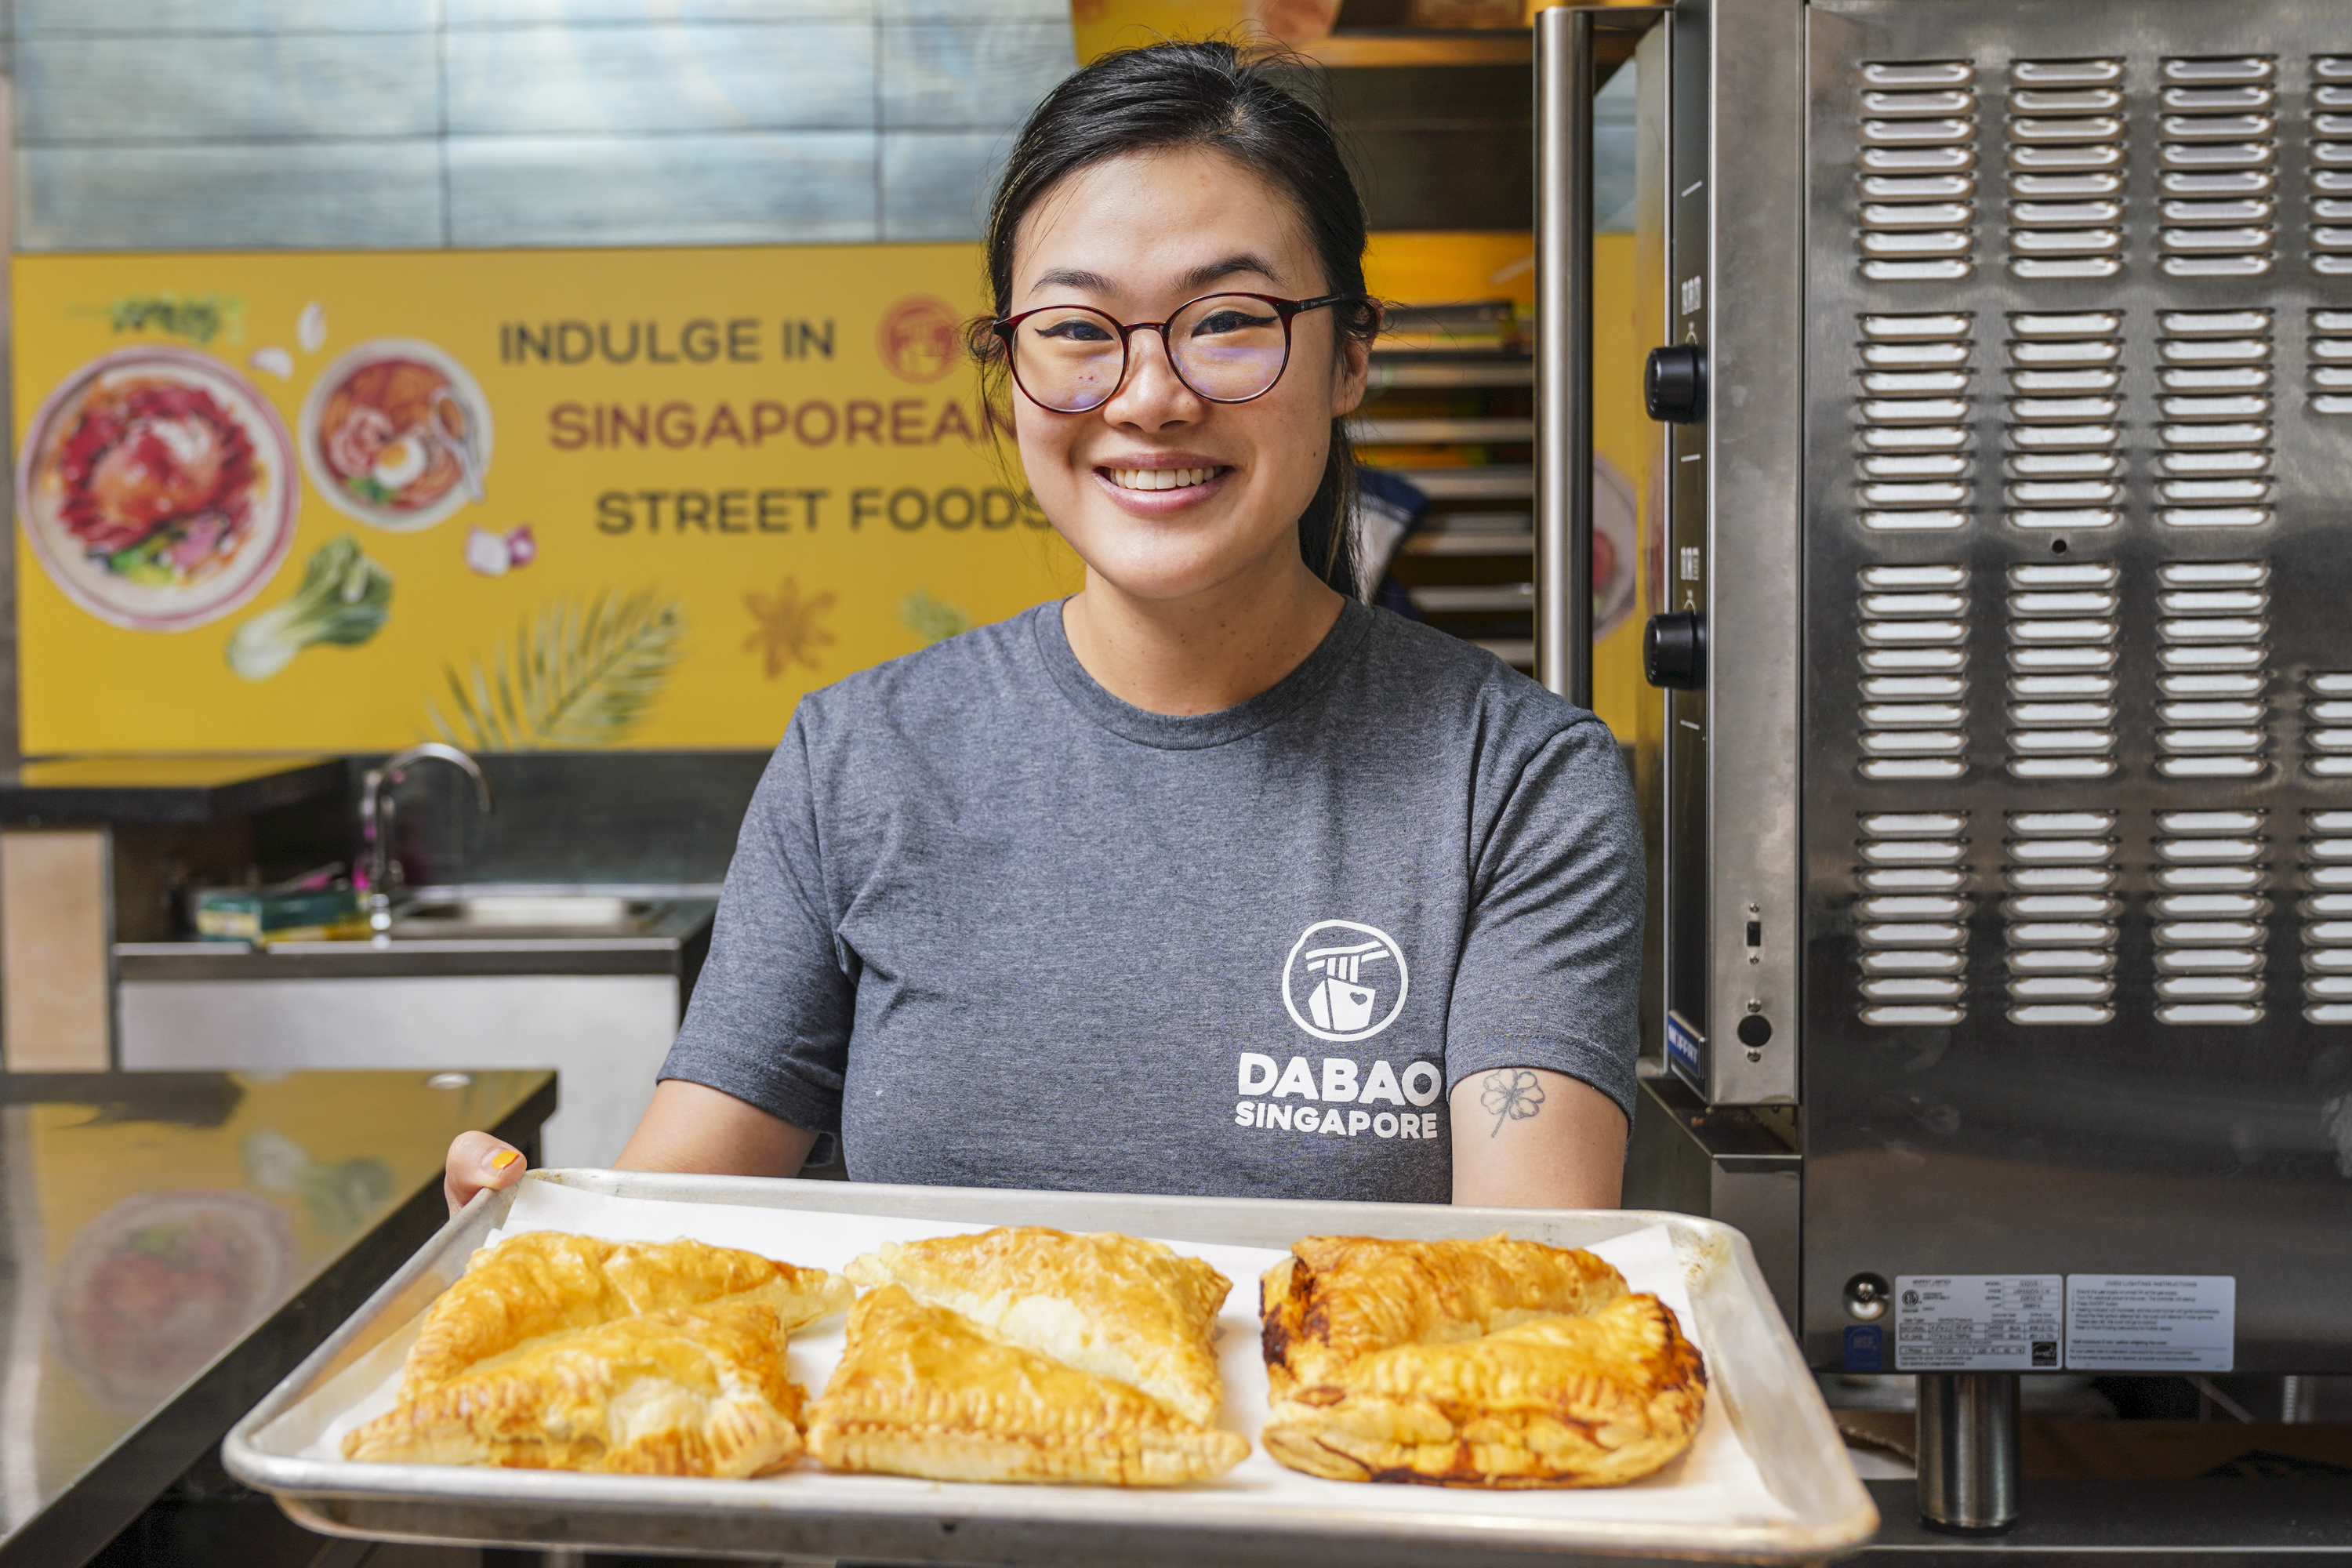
(275, 914)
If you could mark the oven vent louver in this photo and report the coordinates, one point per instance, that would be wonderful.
(2210, 917)
(2214, 429)
(1915, 628)
(2063, 630)
(2059, 917)
(2213, 620)
(2330, 352)
(2326, 910)
(1917, 171)
(2066, 130)
(2217, 167)
(2327, 719)
(1911, 919)
(1915, 462)
(2331, 174)
(2064, 426)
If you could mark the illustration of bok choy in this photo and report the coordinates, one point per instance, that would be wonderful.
(344, 599)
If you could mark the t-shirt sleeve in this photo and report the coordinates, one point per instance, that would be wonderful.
(1551, 970)
(771, 1017)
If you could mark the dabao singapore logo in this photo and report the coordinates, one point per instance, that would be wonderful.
(1344, 981)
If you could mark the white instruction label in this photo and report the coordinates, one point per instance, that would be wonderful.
(1979, 1322)
(2131, 1322)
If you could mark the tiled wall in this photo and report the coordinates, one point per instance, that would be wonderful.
(170, 124)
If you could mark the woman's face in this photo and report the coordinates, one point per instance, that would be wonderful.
(1164, 494)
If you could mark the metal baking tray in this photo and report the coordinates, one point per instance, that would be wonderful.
(1754, 1369)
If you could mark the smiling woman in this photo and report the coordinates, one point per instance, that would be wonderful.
(1031, 907)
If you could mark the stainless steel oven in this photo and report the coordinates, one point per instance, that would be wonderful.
(2000, 776)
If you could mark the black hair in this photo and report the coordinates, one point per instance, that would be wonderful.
(1175, 96)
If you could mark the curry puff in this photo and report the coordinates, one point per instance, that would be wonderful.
(924, 1391)
(1137, 1312)
(1474, 1363)
(1030, 1354)
(695, 1392)
(570, 1353)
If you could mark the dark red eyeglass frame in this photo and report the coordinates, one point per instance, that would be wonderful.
(1005, 326)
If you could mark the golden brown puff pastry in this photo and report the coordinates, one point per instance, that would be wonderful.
(1593, 1401)
(1134, 1311)
(1337, 1298)
(923, 1391)
(545, 1282)
(695, 1392)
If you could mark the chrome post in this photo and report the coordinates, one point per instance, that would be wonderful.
(1967, 1452)
(1564, 352)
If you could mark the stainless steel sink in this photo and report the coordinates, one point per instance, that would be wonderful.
(523, 914)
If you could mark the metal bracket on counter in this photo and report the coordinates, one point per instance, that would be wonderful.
(1736, 1164)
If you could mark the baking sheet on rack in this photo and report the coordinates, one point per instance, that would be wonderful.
(1716, 1480)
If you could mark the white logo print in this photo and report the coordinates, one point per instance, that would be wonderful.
(1344, 973)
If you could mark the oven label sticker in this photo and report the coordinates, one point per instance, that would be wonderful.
(1979, 1322)
(2132, 1322)
(1682, 1050)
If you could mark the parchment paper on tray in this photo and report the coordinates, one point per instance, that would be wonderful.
(1716, 1479)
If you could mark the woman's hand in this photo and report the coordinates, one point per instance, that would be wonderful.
(478, 1161)
(687, 1128)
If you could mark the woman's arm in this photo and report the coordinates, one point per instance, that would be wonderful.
(1526, 1138)
(691, 1128)
(687, 1128)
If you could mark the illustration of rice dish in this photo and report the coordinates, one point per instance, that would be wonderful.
(155, 486)
(157, 480)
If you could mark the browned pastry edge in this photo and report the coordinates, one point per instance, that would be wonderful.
(1558, 1402)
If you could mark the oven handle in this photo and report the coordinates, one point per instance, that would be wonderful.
(1564, 83)
(1564, 351)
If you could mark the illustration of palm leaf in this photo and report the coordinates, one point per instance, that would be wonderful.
(577, 676)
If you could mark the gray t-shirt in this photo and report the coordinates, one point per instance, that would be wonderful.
(998, 927)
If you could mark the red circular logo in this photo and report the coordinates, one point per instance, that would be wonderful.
(921, 339)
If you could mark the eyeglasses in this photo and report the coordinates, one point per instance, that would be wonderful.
(1227, 348)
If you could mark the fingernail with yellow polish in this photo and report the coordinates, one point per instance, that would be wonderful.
(503, 1158)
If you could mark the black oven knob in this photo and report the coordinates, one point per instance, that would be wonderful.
(1673, 650)
(1674, 383)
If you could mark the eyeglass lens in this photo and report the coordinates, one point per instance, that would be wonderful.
(1228, 348)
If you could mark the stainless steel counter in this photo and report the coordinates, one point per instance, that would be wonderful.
(590, 983)
(662, 935)
(175, 1243)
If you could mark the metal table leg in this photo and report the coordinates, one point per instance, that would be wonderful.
(1967, 1452)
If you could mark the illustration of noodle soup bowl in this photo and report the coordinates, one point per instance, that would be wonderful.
(156, 485)
(397, 435)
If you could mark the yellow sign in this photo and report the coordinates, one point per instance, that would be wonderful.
(515, 499)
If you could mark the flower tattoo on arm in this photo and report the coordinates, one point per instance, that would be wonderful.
(1510, 1094)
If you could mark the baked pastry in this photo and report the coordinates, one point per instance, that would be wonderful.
(545, 1282)
(1591, 1401)
(698, 1392)
(1338, 1298)
(1137, 1311)
(922, 1390)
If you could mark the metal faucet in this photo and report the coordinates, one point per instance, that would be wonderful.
(376, 816)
